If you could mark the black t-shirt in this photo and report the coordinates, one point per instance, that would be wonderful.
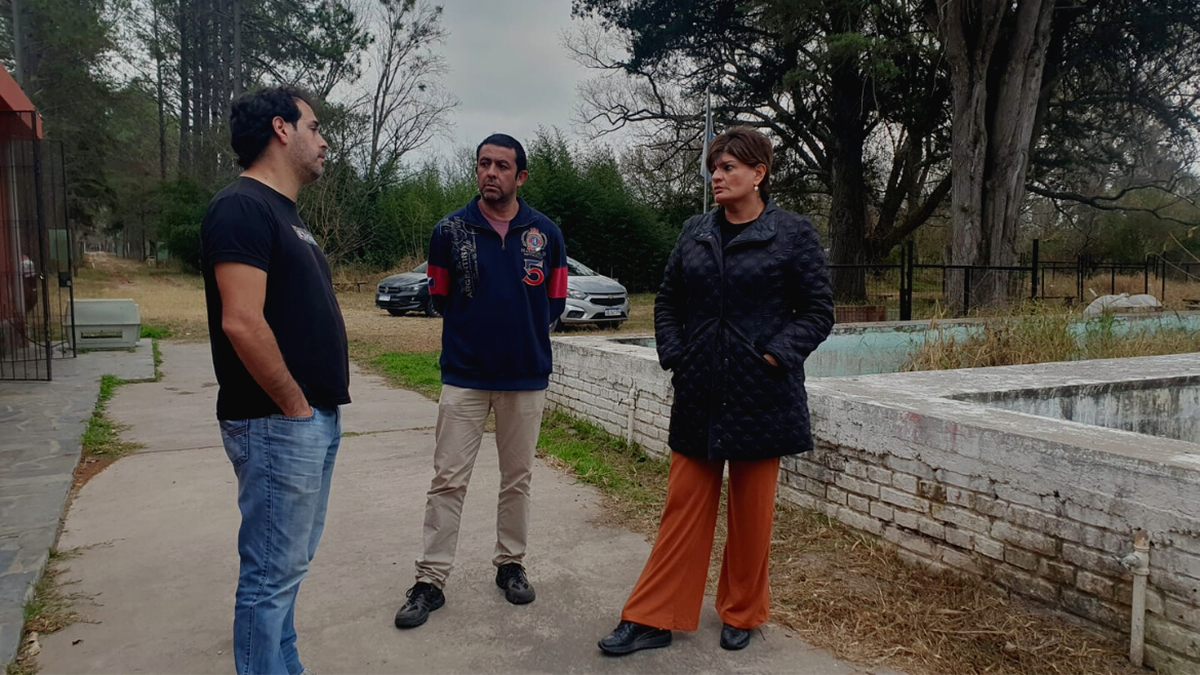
(249, 223)
(730, 231)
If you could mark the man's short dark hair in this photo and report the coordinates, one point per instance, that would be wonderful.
(504, 141)
(252, 116)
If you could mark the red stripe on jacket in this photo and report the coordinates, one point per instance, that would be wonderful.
(558, 282)
(439, 280)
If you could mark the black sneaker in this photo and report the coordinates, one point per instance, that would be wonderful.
(423, 598)
(511, 578)
(628, 637)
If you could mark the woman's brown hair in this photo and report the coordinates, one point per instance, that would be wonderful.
(748, 147)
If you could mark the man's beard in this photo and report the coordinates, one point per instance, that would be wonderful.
(308, 171)
(497, 195)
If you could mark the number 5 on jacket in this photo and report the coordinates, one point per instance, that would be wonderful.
(534, 276)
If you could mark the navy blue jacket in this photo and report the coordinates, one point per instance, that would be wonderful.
(498, 297)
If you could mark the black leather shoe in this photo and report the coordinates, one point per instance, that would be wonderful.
(517, 590)
(628, 637)
(423, 598)
(734, 638)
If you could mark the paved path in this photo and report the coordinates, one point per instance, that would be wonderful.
(158, 532)
(41, 424)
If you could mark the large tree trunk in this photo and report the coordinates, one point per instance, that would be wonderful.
(185, 97)
(160, 93)
(968, 161)
(969, 34)
(238, 78)
(227, 67)
(199, 151)
(848, 210)
(995, 98)
(1015, 106)
(204, 92)
(847, 220)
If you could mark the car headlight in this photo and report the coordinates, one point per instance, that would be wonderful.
(576, 295)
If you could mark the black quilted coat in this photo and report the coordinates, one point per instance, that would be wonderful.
(715, 317)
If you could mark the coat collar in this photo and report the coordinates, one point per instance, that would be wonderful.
(763, 229)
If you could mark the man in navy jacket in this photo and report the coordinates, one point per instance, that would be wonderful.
(498, 274)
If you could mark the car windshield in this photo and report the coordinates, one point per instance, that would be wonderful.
(578, 269)
(420, 269)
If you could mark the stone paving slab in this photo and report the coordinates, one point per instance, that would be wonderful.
(41, 424)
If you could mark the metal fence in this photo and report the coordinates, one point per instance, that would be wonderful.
(916, 290)
(35, 252)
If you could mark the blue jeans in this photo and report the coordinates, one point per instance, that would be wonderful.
(283, 467)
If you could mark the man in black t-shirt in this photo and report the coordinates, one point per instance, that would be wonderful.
(279, 352)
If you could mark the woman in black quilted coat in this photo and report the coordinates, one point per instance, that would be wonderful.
(744, 301)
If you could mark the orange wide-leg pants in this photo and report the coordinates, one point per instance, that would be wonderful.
(670, 591)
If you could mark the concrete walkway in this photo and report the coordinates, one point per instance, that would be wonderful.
(157, 533)
(41, 424)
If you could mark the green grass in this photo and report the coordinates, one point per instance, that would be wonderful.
(155, 332)
(634, 482)
(102, 437)
(419, 372)
(108, 387)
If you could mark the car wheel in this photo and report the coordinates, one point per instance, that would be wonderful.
(431, 310)
(557, 326)
(397, 312)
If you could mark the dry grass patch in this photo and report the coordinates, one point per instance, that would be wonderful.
(846, 592)
(51, 609)
(367, 324)
(1177, 296)
(174, 299)
(1035, 333)
(166, 296)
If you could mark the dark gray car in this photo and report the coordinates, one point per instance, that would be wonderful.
(403, 293)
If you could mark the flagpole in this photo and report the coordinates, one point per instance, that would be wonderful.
(706, 139)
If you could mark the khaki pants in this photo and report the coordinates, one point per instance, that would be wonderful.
(462, 414)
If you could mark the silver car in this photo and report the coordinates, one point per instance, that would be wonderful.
(593, 298)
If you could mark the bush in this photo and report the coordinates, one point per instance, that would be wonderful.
(605, 227)
(182, 206)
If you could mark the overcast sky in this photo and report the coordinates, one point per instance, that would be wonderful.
(509, 70)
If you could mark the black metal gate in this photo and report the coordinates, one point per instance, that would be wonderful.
(36, 252)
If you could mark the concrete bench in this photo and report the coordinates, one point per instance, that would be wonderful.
(105, 324)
